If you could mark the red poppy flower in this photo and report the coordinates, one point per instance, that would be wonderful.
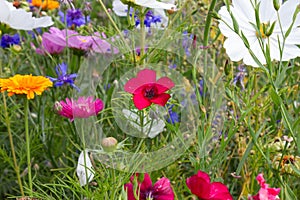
(200, 185)
(161, 190)
(146, 90)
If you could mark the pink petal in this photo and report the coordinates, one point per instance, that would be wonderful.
(140, 101)
(147, 183)
(145, 76)
(162, 190)
(161, 89)
(165, 81)
(161, 99)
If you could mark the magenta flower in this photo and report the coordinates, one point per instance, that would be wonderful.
(265, 193)
(146, 90)
(84, 107)
(161, 190)
(52, 42)
(200, 185)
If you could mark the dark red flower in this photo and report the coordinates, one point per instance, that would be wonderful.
(200, 185)
(161, 190)
(146, 90)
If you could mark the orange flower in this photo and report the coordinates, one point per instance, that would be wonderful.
(46, 4)
(25, 84)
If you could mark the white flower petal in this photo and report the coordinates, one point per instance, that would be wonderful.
(20, 19)
(286, 13)
(151, 127)
(267, 11)
(155, 4)
(235, 48)
(119, 8)
(84, 168)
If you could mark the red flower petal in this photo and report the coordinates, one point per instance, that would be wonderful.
(145, 76)
(129, 188)
(161, 99)
(165, 81)
(219, 191)
(140, 101)
(199, 184)
(148, 75)
(146, 184)
(162, 190)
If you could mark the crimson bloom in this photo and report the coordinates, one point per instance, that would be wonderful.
(83, 107)
(200, 185)
(161, 190)
(146, 90)
(265, 193)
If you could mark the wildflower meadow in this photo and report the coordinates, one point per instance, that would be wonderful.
(150, 99)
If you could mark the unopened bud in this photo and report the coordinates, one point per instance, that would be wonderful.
(276, 4)
(109, 144)
(57, 106)
(16, 48)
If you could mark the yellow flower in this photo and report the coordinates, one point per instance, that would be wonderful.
(45, 5)
(25, 84)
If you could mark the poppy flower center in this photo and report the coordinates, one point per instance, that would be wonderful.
(150, 92)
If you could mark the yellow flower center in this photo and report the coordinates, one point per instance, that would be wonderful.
(263, 28)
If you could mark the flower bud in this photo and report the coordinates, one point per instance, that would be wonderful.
(109, 144)
(276, 4)
(16, 48)
(57, 106)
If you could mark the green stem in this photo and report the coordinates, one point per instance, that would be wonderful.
(28, 145)
(16, 166)
(208, 22)
(142, 18)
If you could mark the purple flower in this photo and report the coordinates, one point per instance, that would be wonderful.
(63, 77)
(51, 42)
(74, 17)
(8, 40)
(240, 76)
(150, 19)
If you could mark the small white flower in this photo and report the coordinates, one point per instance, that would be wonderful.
(244, 14)
(20, 19)
(84, 168)
(151, 127)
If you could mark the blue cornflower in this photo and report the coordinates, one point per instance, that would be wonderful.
(150, 19)
(74, 17)
(8, 40)
(172, 116)
(63, 77)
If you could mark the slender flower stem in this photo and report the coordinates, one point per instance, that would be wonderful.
(16, 166)
(142, 19)
(208, 22)
(28, 145)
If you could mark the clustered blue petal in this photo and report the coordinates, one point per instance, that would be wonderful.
(172, 116)
(63, 77)
(150, 19)
(74, 17)
(9, 40)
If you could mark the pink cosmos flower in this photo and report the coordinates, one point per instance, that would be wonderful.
(146, 90)
(200, 185)
(84, 107)
(52, 42)
(161, 190)
(265, 193)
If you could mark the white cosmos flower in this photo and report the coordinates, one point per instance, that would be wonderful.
(244, 14)
(20, 19)
(84, 168)
(121, 9)
(151, 127)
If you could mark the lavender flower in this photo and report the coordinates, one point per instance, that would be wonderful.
(240, 76)
(150, 19)
(8, 40)
(63, 77)
(172, 116)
